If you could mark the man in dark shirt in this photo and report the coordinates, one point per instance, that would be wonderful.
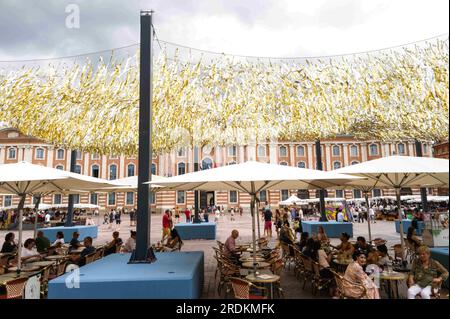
(42, 242)
(362, 245)
(80, 259)
(74, 242)
(268, 222)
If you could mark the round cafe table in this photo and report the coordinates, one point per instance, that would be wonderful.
(250, 259)
(25, 268)
(264, 279)
(55, 257)
(392, 279)
(43, 263)
(259, 265)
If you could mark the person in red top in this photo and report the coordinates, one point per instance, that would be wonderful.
(166, 225)
(187, 212)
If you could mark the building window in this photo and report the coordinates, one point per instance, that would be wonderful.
(113, 157)
(336, 165)
(57, 199)
(111, 199)
(232, 150)
(60, 167)
(401, 149)
(324, 191)
(283, 151)
(373, 149)
(180, 197)
(152, 198)
(77, 169)
(339, 193)
(181, 168)
(263, 196)
(95, 156)
(153, 169)
(113, 171)
(376, 192)
(405, 191)
(95, 171)
(354, 162)
(79, 155)
(39, 153)
(284, 194)
(7, 201)
(336, 150)
(233, 197)
(262, 151)
(60, 154)
(303, 194)
(181, 152)
(76, 198)
(207, 163)
(357, 193)
(130, 198)
(93, 199)
(130, 170)
(284, 163)
(354, 150)
(12, 153)
(425, 148)
(301, 164)
(300, 151)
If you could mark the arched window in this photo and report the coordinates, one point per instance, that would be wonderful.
(262, 150)
(60, 154)
(401, 149)
(336, 165)
(130, 170)
(207, 163)
(60, 167)
(113, 171)
(301, 164)
(284, 163)
(354, 162)
(153, 168)
(373, 148)
(95, 171)
(283, 151)
(354, 150)
(300, 151)
(181, 168)
(12, 153)
(336, 150)
(77, 169)
(40, 153)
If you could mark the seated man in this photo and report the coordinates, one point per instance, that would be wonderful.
(173, 241)
(114, 244)
(230, 246)
(80, 259)
(74, 242)
(362, 245)
(42, 242)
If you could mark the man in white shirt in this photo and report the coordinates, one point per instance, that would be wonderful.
(340, 217)
(47, 218)
(372, 215)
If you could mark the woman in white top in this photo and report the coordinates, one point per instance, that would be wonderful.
(59, 240)
(28, 253)
(130, 243)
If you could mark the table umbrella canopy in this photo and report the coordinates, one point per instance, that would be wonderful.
(26, 178)
(251, 176)
(128, 184)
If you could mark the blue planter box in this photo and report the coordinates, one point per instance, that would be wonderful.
(406, 224)
(196, 231)
(333, 229)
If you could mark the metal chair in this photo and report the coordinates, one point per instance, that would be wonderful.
(242, 289)
(14, 288)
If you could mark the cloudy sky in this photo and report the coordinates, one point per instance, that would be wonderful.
(282, 28)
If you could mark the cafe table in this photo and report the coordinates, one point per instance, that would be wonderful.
(42, 263)
(25, 268)
(55, 257)
(76, 251)
(250, 259)
(269, 279)
(393, 278)
(259, 265)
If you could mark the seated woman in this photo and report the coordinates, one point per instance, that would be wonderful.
(356, 274)
(345, 247)
(309, 249)
(28, 253)
(9, 246)
(173, 241)
(303, 239)
(113, 246)
(426, 273)
(322, 237)
(130, 243)
(59, 240)
(413, 239)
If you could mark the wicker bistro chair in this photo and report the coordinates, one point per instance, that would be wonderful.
(299, 268)
(226, 271)
(277, 269)
(90, 258)
(287, 257)
(60, 269)
(14, 288)
(319, 282)
(308, 271)
(45, 277)
(99, 253)
(341, 282)
(243, 289)
(4, 260)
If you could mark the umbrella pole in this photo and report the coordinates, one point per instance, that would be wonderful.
(36, 208)
(366, 195)
(257, 218)
(252, 210)
(400, 218)
(19, 249)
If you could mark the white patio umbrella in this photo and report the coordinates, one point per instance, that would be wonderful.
(128, 184)
(24, 179)
(398, 172)
(251, 177)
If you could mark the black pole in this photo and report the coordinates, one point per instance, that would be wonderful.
(69, 217)
(423, 191)
(145, 140)
(196, 193)
(323, 217)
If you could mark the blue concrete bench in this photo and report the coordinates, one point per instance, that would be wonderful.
(333, 229)
(406, 224)
(84, 231)
(196, 231)
(177, 275)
